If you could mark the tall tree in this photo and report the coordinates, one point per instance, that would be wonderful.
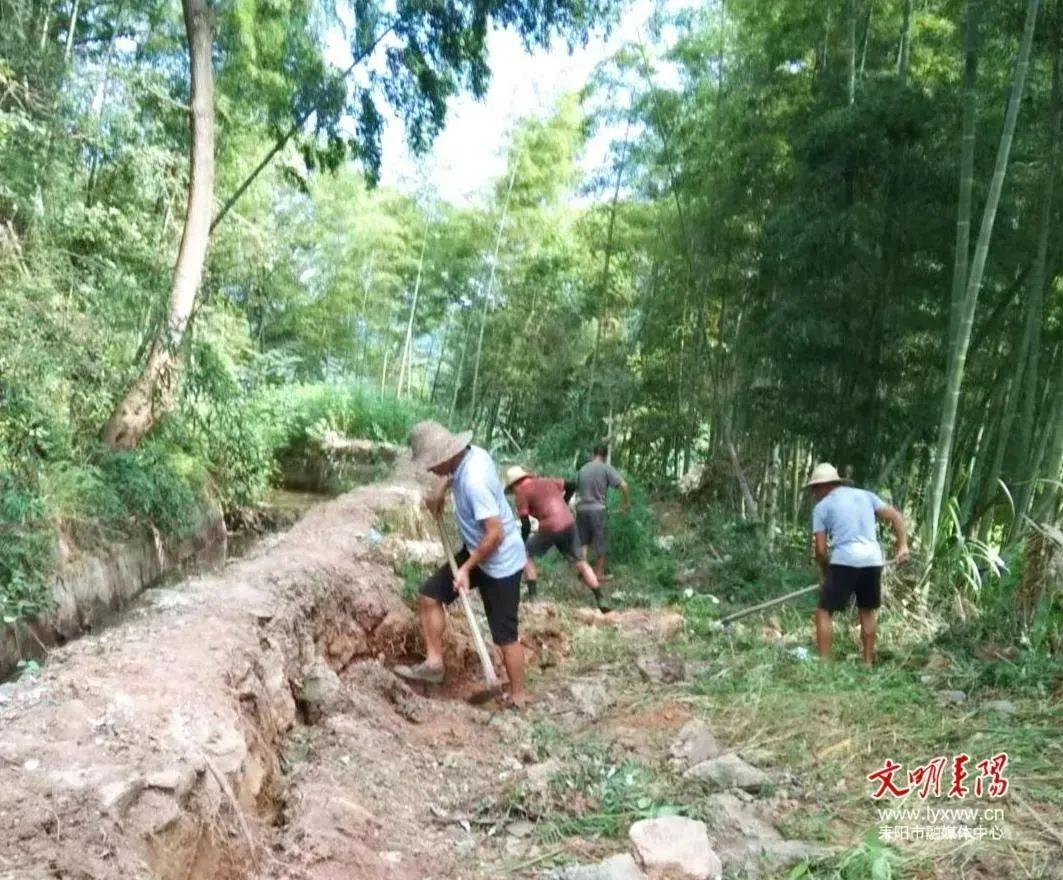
(973, 283)
(154, 391)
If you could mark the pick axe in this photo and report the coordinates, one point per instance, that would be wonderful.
(492, 686)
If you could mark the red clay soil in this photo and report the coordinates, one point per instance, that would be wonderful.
(208, 736)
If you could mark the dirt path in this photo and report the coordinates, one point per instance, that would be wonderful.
(246, 725)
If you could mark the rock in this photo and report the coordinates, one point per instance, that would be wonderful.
(661, 670)
(320, 691)
(520, 829)
(179, 780)
(591, 698)
(117, 797)
(538, 776)
(1004, 707)
(746, 843)
(674, 847)
(756, 756)
(729, 771)
(694, 744)
(954, 698)
(620, 867)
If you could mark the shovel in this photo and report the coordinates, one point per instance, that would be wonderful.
(492, 686)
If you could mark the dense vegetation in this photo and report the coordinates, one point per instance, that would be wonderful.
(824, 233)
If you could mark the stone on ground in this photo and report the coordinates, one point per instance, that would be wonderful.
(320, 691)
(116, 797)
(179, 780)
(954, 698)
(590, 698)
(661, 670)
(695, 743)
(619, 867)
(674, 847)
(1004, 707)
(746, 843)
(538, 776)
(729, 771)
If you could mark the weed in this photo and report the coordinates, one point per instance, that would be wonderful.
(413, 575)
(870, 860)
(598, 795)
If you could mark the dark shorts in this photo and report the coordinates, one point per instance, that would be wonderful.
(845, 581)
(566, 541)
(592, 531)
(501, 597)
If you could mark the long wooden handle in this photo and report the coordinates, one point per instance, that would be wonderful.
(490, 678)
(778, 600)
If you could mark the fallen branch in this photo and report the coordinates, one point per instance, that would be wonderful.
(228, 792)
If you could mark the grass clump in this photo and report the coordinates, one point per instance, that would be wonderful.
(595, 793)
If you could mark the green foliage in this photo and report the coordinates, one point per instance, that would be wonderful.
(27, 550)
(155, 486)
(870, 860)
(595, 794)
(296, 416)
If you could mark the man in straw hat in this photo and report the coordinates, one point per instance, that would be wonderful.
(491, 560)
(544, 498)
(853, 565)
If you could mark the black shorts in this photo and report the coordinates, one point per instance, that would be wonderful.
(501, 597)
(845, 581)
(592, 532)
(566, 541)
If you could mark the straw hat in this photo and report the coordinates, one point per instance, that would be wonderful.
(432, 444)
(514, 475)
(823, 473)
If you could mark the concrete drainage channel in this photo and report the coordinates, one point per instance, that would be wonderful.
(182, 742)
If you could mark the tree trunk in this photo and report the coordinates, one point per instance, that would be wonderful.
(153, 393)
(958, 353)
(490, 287)
(774, 473)
(867, 37)
(962, 253)
(743, 483)
(904, 55)
(439, 361)
(852, 52)
(1030, 382)
(406, 369)
(458, 375)
(1046, 505)
(604, 283)
(70, 31)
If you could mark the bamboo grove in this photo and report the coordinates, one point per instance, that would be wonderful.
(823, 231)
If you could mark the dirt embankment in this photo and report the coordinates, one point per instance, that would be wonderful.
(179, 743)
(94, 583)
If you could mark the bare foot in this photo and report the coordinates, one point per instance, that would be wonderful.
(518, 701)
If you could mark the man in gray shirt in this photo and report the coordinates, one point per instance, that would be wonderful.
(595, 479)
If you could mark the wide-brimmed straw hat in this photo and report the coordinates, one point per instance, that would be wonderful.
(824, 473)
(514, 475)
(432, 444)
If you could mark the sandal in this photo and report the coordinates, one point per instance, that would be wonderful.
(421, 672)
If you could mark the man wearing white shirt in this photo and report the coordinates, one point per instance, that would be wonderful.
(492, 559)
(845, 518)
